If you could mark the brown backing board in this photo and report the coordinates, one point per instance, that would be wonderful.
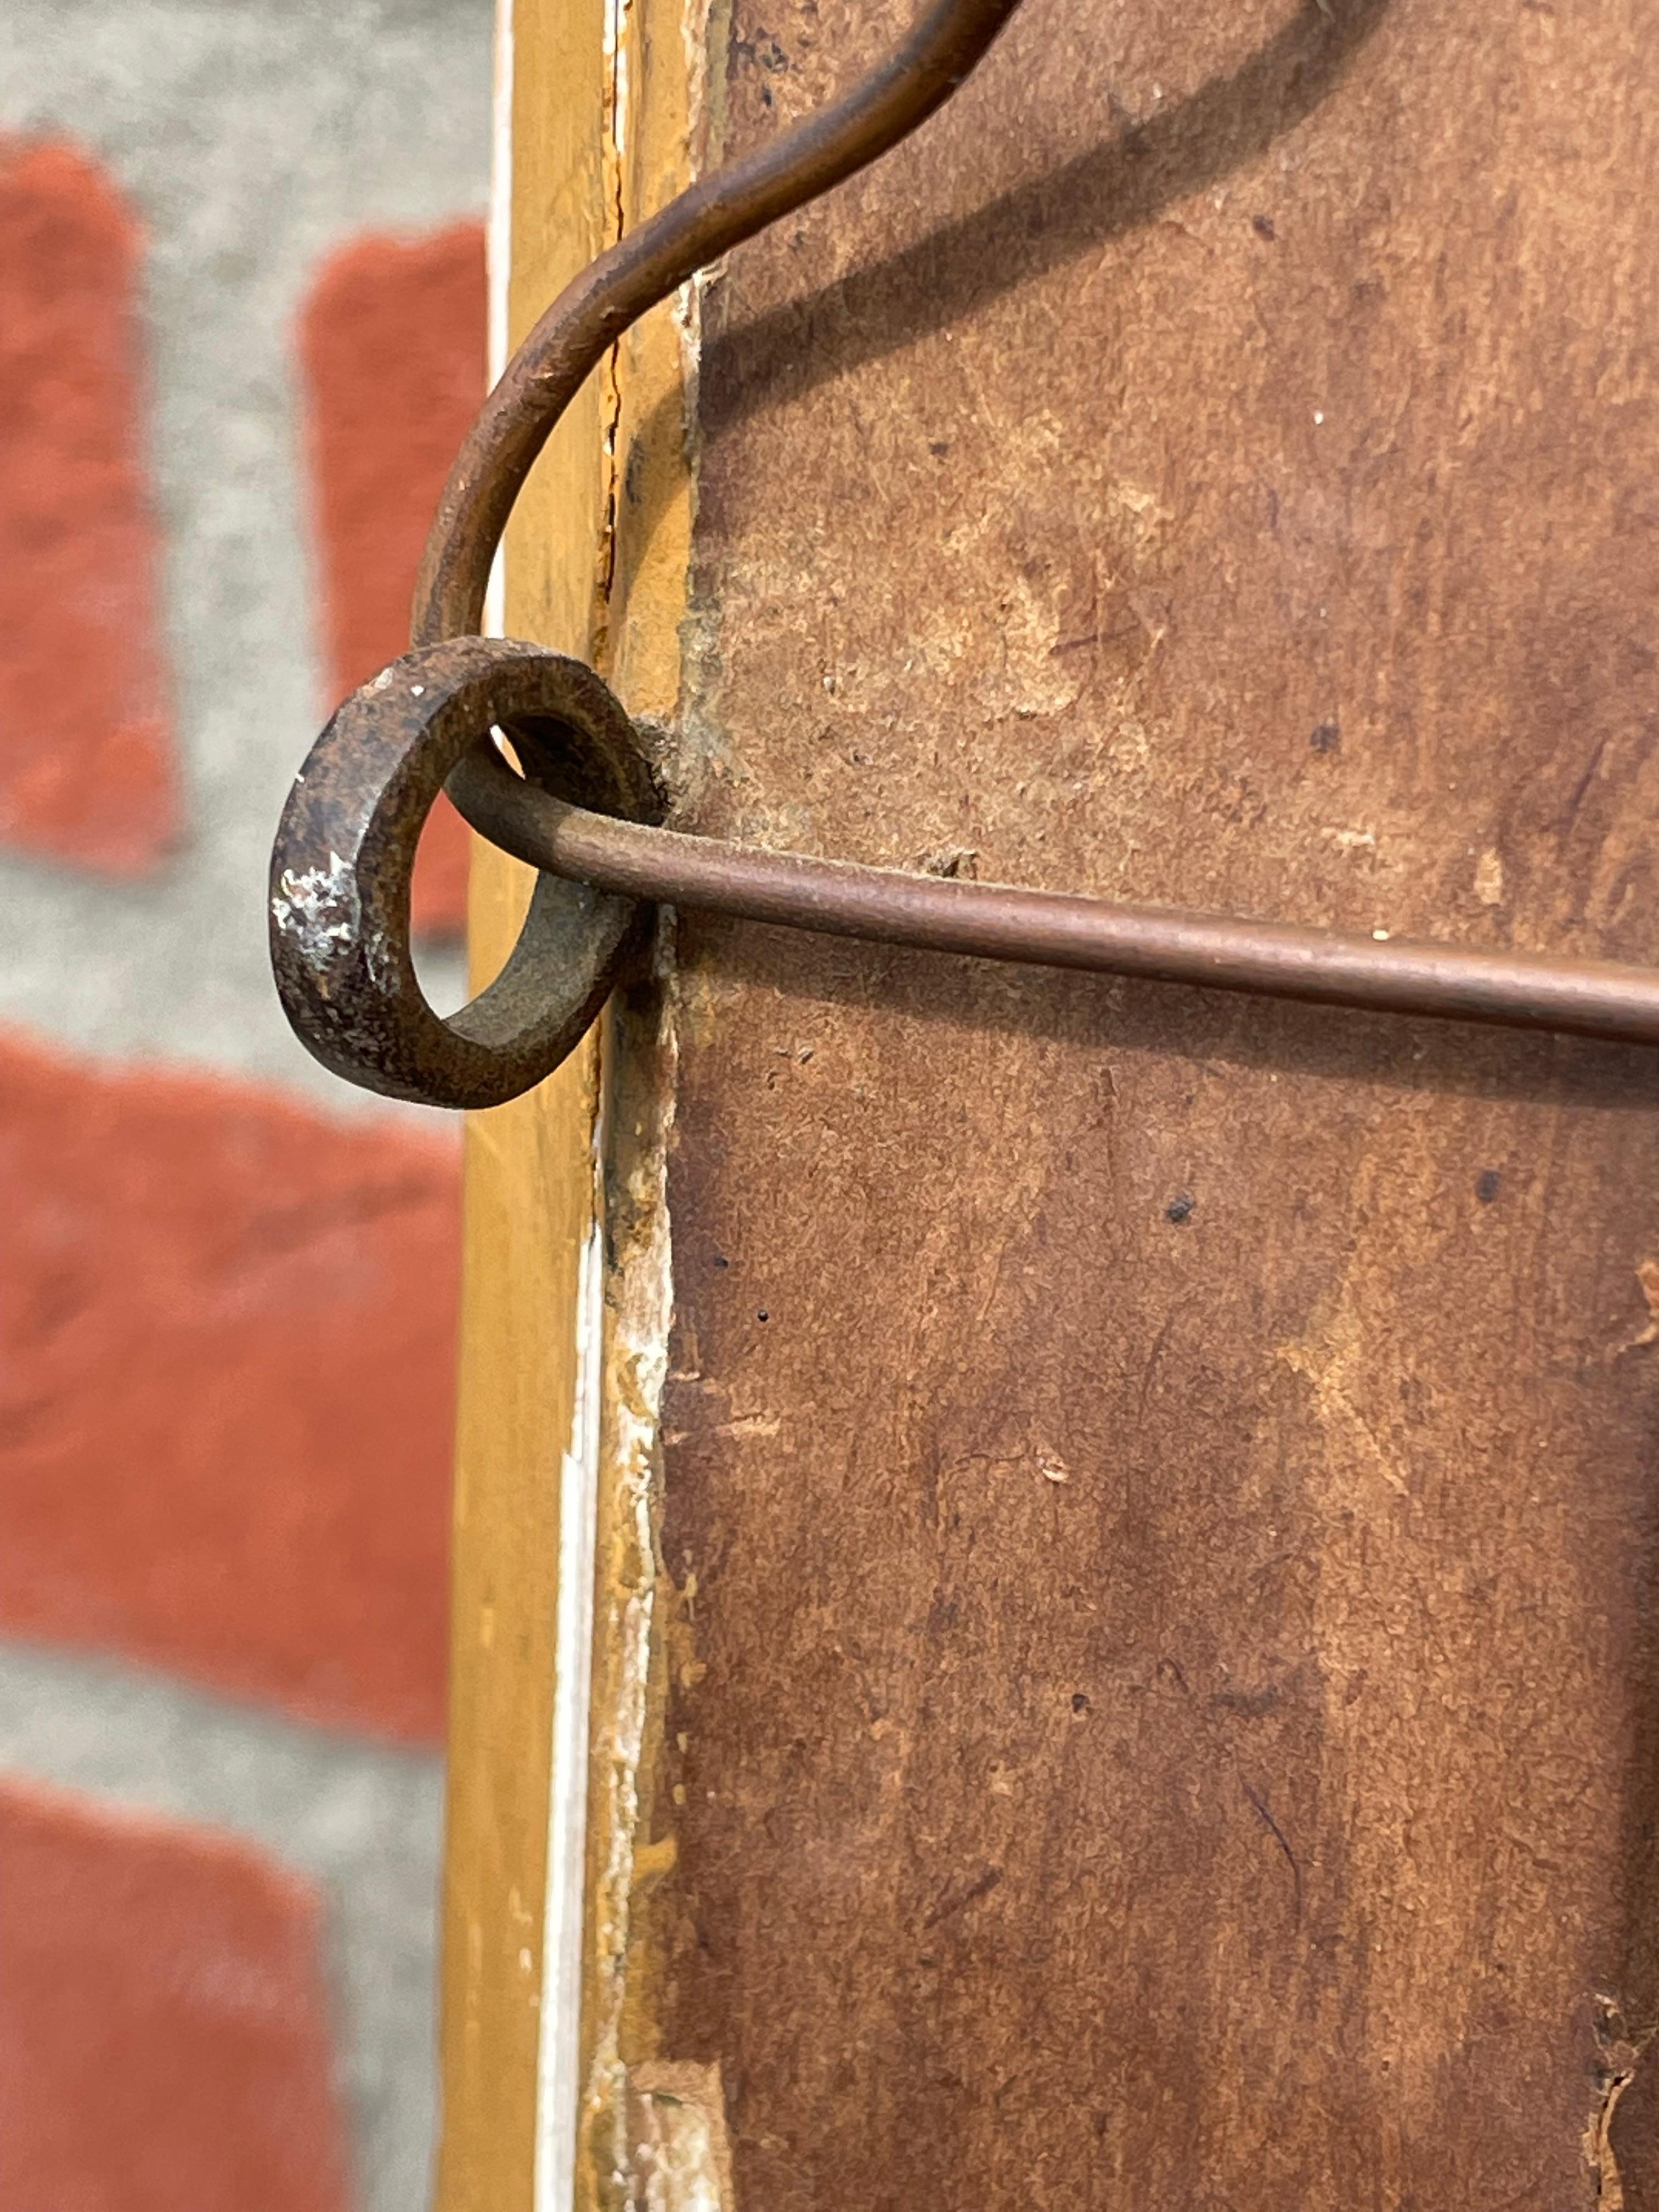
(1160, 1486)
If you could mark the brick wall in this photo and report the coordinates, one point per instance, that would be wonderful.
(241, 329)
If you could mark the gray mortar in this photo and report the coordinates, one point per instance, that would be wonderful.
(252, 139)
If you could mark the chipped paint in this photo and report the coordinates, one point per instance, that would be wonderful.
(639, 1314)
(651, 464)
(676, 2125)
(1620, 2052)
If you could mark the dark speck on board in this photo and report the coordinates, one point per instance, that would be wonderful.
(1179, 1209)
(1326, 738)
(1262, 225)
(1487, 1184)
(1079, 1702)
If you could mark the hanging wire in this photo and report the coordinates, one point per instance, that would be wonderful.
(340, 918)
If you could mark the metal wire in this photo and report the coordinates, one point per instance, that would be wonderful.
(1601, 998)
(339, 882)
(707, 220)
(1057, 929)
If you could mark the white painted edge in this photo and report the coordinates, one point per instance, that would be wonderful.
(558, 2051)
(558, 2069)
(498, 250)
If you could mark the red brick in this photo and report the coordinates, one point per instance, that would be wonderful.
(226, 1384)
(164, 2042)
(393, 345)
(86, 757)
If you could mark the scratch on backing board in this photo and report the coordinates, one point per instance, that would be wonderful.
(1620, 2053)
(1647, 1276)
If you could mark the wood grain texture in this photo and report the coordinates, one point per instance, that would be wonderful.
(1162, 1486)
(529, 1204)
(625, 2141)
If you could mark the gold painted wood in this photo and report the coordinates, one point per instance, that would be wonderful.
(529, 1205)
(597, 562)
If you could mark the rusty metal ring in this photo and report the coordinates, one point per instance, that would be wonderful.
(339, 927)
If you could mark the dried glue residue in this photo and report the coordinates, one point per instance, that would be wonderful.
(639, 1300)
(681, 2154)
